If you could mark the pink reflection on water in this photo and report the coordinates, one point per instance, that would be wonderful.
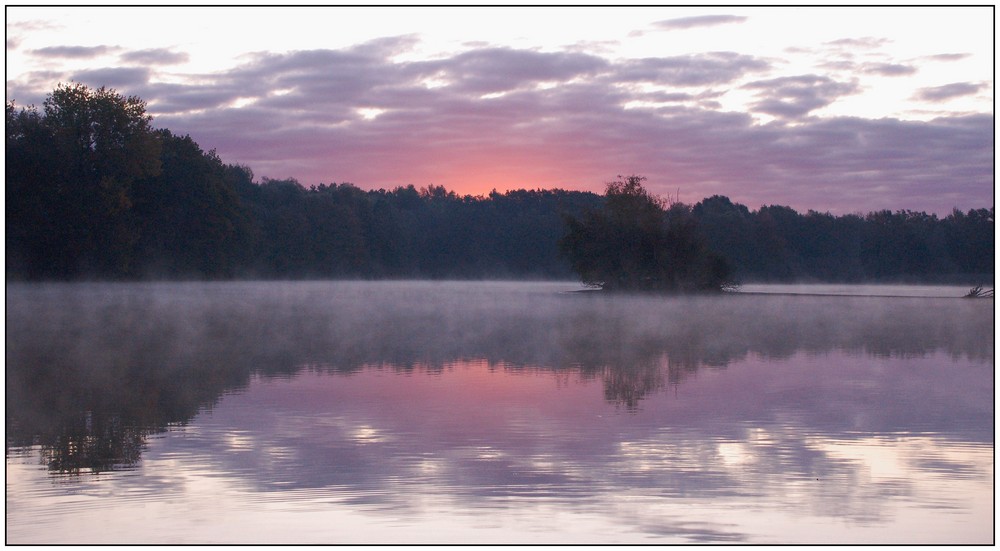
(807, 449)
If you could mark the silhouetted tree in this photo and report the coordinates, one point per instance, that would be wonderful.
(639, 242)
(70, 174)
(104, 143)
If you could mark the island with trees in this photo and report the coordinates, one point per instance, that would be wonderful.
(640, 242)
(95, 192)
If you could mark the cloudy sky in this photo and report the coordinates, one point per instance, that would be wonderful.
(834, 109)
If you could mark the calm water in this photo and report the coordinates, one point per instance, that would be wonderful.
(408, 412)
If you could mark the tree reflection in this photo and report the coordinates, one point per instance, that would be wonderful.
(95, 418)
(98, 443)
(628, 386)
(94, 370)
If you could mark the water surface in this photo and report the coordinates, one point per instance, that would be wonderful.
(444, 412)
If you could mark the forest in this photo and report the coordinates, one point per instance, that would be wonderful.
(95, 192)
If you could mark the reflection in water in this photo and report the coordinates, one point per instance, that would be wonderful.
(645, 418)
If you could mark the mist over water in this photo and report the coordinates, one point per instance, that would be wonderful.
(396, 406)
(542, 324)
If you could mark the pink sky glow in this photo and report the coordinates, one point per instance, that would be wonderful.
(831, 109)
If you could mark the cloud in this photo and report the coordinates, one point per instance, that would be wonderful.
(698, 21)
(573, 132)
(947, 57)
(505, 117)
(797, 96)
(881, 69)
(113, 77)
(16, 33)
(690, 70)
(668, 97)
(75, 52)
(323, 77)
(860, 162)
(501, 69)
(155, 56)
(166, 98)
(33, 87)
(888, 69)
(868, 42)
(387, 47)
(947, 92)
(33, 25)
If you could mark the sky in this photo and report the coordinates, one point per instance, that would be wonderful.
(834, 109)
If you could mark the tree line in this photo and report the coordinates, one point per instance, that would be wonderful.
(94, 191)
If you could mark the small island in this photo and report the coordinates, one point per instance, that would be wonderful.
(641, 242)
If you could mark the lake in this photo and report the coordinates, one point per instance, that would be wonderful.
(496, 412)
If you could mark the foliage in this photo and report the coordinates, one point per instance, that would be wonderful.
(69, 175)
(776, 243)
(339, 230)
(190, 219)
(639, 242)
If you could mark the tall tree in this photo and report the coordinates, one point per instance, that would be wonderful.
(95, 145)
